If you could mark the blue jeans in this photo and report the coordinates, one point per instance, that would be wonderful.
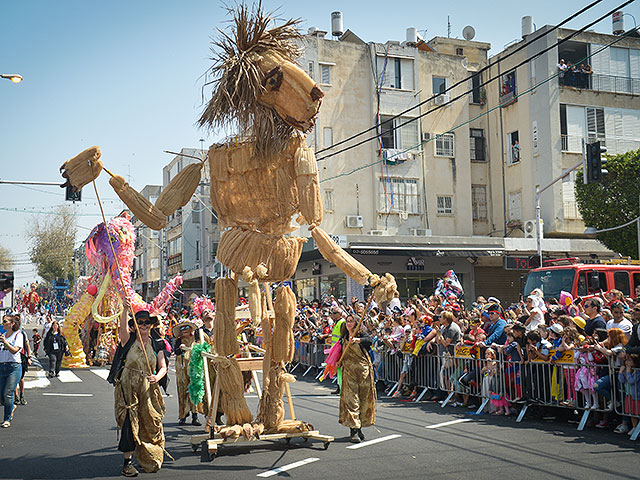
(9, 377)
(603, 387)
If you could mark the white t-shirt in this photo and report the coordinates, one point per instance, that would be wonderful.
(625, 325)
(537, 319)
(15, 340)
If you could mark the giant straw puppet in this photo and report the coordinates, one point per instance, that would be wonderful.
(261, 180)
(101, 298)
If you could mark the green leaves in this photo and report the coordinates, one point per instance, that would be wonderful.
(613, 202)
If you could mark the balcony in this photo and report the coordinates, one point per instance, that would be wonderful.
(615, 146)
(600, 83)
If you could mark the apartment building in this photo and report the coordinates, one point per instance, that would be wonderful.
(454, 188)
(183, 235)
(147, 265)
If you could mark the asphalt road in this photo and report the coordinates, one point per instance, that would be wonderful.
(74, 437)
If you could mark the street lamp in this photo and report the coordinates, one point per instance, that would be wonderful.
(14, 77)
(593, 231)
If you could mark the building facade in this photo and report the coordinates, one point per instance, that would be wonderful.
(454, 188)
(147, 264)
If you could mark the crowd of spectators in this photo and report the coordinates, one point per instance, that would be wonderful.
(571, 75)
(582, 354)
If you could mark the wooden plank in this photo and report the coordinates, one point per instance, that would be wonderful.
(197, 439)
(248, 364)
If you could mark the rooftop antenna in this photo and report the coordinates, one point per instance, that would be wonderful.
(448, 27)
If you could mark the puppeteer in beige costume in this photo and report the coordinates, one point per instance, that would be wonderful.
(358, 394)
(184, 332)
(144, 404)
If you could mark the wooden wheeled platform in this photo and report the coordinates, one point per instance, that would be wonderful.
(210, 445)
(208, 441)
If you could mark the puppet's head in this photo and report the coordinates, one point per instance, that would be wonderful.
(123, 238)
(256, 83)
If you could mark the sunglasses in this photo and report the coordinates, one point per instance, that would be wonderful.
(145, 322)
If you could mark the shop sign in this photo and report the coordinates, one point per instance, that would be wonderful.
(516, 263)
(365, 251)
(414, 263)
(340, 240)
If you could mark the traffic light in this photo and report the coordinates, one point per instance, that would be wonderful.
(72, 195)
(595, 173)
(6, 280)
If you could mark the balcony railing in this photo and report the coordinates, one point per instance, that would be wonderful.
(600, 83)
(615, 146)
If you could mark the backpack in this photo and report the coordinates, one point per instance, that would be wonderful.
(120, 356)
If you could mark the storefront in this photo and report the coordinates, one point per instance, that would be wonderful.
(416, 272)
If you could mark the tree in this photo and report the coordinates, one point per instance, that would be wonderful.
(51, 238)
(6, 261)
(613, 202)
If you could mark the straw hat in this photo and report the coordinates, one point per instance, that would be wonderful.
(182, 326)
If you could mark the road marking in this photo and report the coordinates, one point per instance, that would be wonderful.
(446, 424)
(41, 382)
(68, 394)
(275, 471)
(373, 442)
(67, 376)
(102, 373)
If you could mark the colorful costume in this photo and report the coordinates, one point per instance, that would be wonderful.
(31, 300)
(141, 406)
(185, 406)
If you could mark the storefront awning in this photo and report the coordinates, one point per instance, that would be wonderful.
(428, 250)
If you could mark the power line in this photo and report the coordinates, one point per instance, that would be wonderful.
(500, 105)
(489, 65)
(395, 127)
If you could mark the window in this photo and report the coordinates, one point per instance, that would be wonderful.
(327, 136)
(395, 137)
(395, 72)
(459, 51)
(621, 282)
(444, 205)
(508, 86)
(636, 281)
(325, 74)
(439, 85)
(477, 149)
(479, 202)
(595, 124)
(476, 89)
(310, 70)
(328, 200)
(155, 263)
(399, 195)
(445, 145)
(513, 147)
(515, 206)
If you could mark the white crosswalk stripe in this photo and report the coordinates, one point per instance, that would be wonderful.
(67, 376)
(101, 372)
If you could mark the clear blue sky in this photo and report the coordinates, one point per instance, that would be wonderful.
(126, 75)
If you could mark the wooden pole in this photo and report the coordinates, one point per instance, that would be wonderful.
(364, 314)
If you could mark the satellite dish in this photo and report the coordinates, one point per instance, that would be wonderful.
(468, 32)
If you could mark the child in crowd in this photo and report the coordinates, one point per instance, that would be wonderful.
(586, 376)
(629, 378)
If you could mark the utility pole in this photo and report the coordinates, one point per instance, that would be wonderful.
(203, 245)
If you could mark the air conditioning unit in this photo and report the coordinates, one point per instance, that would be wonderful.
(441, 99)
(353, 221)
(376, 232)
(530, 228)
(420, 232)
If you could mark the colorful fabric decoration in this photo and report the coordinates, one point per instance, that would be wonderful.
(331, 368)
(200, 304)
(196, 372)
(450, 287)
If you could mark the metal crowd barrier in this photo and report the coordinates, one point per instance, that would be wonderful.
(566, 382)
(626, 396)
